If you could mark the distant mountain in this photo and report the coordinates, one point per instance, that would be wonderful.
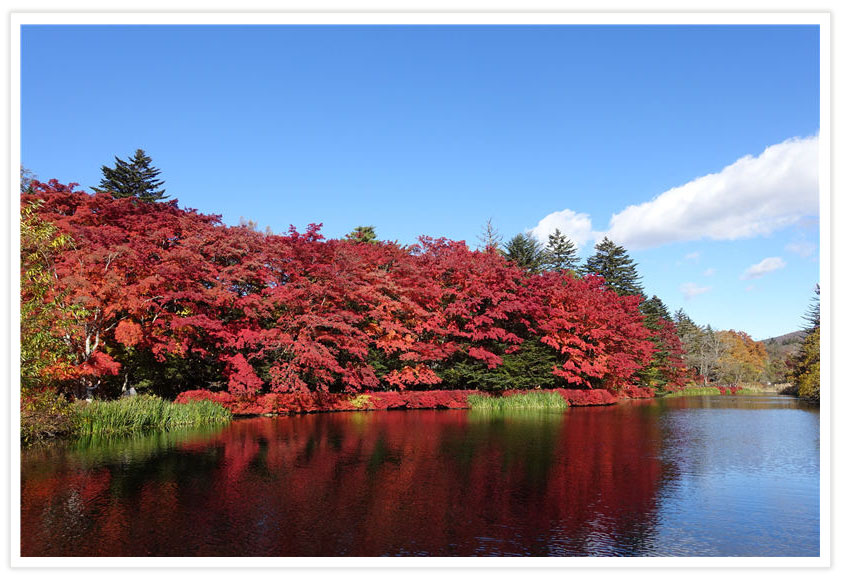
(784, 345)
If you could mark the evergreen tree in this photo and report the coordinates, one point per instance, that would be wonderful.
(812, 317)
(135, 178)
(526, 251)
(561, 252)
(26, 179)
(490, 239)
(661, 369)
(806, 371)
(689, 333)
(362, 234)
(703, 346)
(654, 310)
(612, 262)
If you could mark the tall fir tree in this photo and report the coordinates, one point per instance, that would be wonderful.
(490, 239)
(26, 179)
(812, 316)
(561, 253)
(362, 234)
(526, 251)
(612, 262)
(806, 369)
(689, 332)
(135, 178)
(654, 310)
(664, 368)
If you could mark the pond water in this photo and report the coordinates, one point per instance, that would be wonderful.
(695, 476)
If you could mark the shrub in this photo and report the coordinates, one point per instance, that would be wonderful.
(44, 415)
(635, 392)
(361, 401)
(585, 397)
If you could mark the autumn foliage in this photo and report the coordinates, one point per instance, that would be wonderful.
(176, 300)
(743, 359)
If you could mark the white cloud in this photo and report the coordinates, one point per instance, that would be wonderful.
(691, 289)
(802, 248)
(766, 266)
(709, 272)
(574, 225)
(751, 197)
(695, 256)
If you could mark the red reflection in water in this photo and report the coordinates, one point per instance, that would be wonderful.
(361, 484)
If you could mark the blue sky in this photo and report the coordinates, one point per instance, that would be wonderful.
(434, 130)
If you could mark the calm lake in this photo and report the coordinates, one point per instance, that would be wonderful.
(694, 476)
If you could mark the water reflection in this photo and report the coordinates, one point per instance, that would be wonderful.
(621, 480)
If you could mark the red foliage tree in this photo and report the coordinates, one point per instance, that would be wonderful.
(296, 313)
(138, 274)
(599, 335)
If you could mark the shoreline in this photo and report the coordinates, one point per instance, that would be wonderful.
(278, 405)
(284, 404)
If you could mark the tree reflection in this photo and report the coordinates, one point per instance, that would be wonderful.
(582, 482)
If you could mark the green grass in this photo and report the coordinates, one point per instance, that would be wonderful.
(145, 412)
(694, 391)
(540, 400)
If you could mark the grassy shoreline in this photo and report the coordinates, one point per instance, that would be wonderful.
(696, 391)
(46, 416)
(49, 416)
(543, 400)
(144, 412)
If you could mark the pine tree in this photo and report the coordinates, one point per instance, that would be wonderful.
(526, 251)
(812, 317)
(612, 262)
(806, 370)
(490, 239)
(654, 310)
(688, 331)
(135, 178)
(561, 253)
(26, 179)
(666, 366)
(362, 234)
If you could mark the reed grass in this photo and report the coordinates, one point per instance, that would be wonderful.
(694, 391)
(146, 412)
(540, 400)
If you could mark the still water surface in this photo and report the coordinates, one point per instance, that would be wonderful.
(696, 476)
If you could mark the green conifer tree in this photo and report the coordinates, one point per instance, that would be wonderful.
(612, 262)
(362, 234)
(26, 179)
(490, 239)
(655, 313)
(135, 178)
(654, 310)
(561, 253)
(806, 370)
(526, 251)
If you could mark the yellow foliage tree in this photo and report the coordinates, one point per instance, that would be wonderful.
(743, 360)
